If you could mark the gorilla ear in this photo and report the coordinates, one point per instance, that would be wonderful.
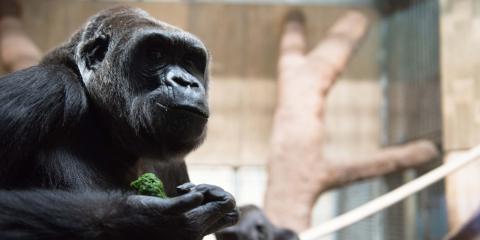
(93, 52)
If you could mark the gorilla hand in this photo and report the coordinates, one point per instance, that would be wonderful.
(218, 209)
(202, 210)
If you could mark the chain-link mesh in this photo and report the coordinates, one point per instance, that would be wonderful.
(411, 110)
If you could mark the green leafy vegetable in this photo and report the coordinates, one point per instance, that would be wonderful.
(148, 184)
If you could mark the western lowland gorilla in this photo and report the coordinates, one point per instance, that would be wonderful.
(73, 128)
(254, 225)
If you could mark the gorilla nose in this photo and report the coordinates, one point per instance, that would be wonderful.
(183, 82)
(179, 78)
(186, 92)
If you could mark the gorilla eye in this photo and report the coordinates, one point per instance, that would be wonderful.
(191, 63)
(196, 62)
(157, 58)
(156, 55)
(262, 231)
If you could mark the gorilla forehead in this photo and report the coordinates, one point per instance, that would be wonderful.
(121, 23)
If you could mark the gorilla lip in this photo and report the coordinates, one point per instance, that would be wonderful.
(192, 109)
(186, 108)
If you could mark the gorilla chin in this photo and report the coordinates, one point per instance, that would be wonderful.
(186, 119)
(186, 125)
(176, 132)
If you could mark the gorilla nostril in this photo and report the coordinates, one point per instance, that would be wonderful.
(183, 82)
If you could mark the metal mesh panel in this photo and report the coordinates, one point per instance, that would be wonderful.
(411, 111)
(411, 73)
(354, 195)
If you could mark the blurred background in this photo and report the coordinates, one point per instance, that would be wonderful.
(415, 75)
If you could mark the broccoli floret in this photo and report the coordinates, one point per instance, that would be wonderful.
(148, 184)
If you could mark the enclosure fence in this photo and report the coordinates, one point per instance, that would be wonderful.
(392, 197)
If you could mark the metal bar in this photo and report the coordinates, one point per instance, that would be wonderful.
(368, 3)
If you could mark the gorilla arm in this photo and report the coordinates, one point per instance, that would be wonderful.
(34, 104)
(56, 214)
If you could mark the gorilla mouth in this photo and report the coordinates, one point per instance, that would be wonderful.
(194, 110)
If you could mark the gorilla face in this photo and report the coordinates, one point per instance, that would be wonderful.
(254, 225)
(148, 79)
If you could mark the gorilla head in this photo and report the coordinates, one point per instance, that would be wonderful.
(254, 225)
(147, 80)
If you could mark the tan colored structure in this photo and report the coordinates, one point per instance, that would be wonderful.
(460, 38)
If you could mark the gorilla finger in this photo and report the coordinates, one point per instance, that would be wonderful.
(228, 220)
(184, 203)
(222, 206)
(214, 193)
(185, 188)
(207, 214)
(144, 201)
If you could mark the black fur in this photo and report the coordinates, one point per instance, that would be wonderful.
(74, 128)
(254, 225)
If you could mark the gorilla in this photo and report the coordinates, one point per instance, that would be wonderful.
(125, 95)
(254, 225)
